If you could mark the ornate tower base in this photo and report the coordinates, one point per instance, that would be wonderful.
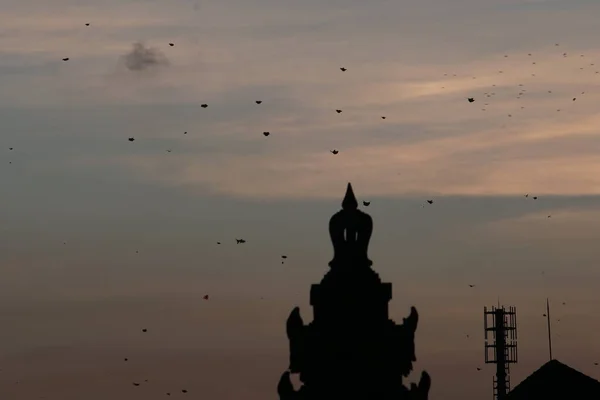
(351, 349)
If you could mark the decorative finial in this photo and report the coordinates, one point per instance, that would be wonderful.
(350, 230)
(349, 202)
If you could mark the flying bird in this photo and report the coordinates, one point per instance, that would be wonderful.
(171, 44)
(266, 133)
(183, 391)
(471, 99)
(240, 241)
(382, 117)
(203, 105)
(334, 151)
(258, 101)
(284, 257)
(88, 24)
(471, 285)
(144, 330)
(136, 384)
(338, 111)
(366, 203)
(535, 197)
(205, 297)
(343, 69)
(430, 201)
(66, 59)
(131, 139)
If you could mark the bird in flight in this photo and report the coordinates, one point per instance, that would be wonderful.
(131, 139)
(258, 101)
(204, 105)
(471, 99)
(430, 201)
(88, 24)
(205, 297)
(240, 241)
(66, 59)
(338, 111)
(334, 151)
(266, 133)
(366, 203)
(343, 69)
(171, 44)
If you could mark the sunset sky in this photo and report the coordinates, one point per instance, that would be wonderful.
(101, 237)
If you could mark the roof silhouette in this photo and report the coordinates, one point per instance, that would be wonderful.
(555, 380)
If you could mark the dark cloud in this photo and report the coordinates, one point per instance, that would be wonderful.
(141, 58)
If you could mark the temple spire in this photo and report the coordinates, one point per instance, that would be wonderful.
(349, 202)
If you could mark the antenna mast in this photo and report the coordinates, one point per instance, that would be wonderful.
(549, 332)
(502, 324)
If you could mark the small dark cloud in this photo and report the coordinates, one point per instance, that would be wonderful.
(141, 58)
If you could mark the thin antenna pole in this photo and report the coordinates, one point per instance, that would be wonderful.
(549, 332)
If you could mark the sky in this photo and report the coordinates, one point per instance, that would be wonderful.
(101, 237)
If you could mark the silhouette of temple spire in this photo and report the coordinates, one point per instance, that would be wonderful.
(351, 349)
(350, 230)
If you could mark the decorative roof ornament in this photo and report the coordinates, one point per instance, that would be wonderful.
(350, 230)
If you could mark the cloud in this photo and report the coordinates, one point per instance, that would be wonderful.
(141, 58)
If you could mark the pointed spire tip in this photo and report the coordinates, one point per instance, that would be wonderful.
(349, 202)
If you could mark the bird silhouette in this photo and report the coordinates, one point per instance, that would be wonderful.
(240, 241)
(338, 111)
(334, 151)
(366, 203)
(382, 117)
(471, 99)
(88, 24)
(205, 297)
(471, 285)
(203, 105)
(258, 101)
(136, 384)
(171, 44)
(131, 139)
(266, 133)
(144, 330)
(66, 59)
(343, 69)
(430, 201)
